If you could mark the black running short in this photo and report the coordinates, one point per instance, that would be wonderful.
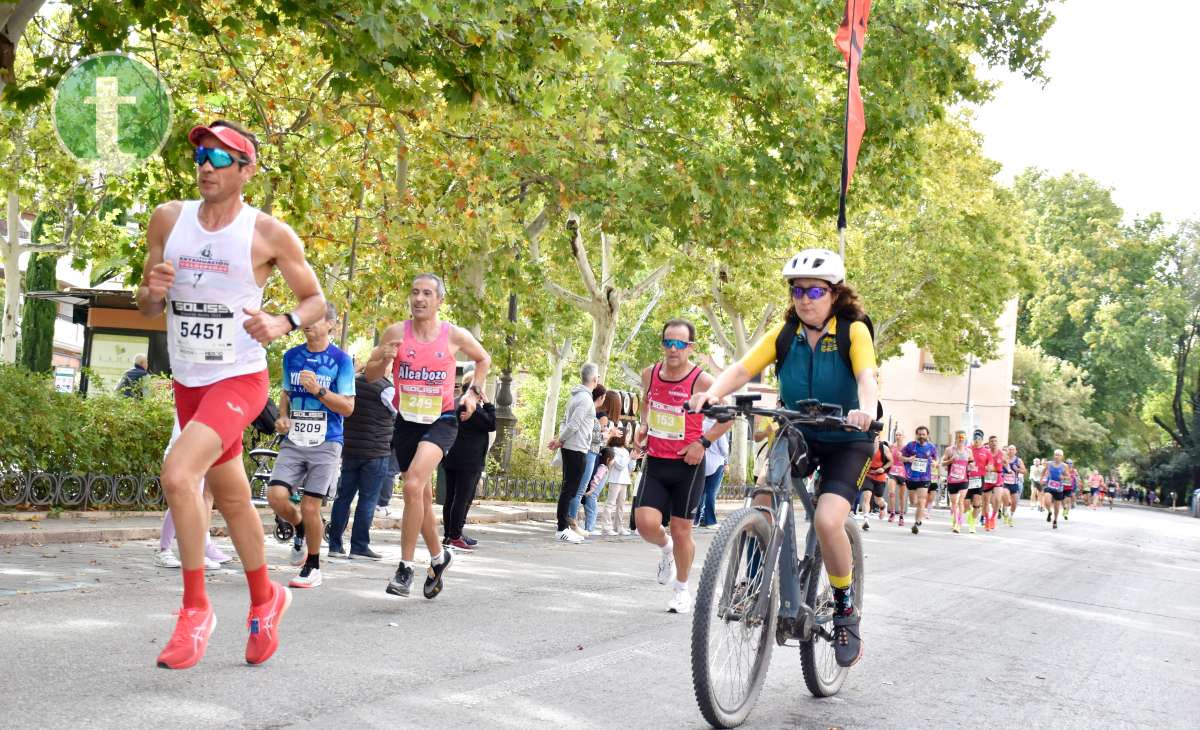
(879, 489)
(973, 493)
(671, 486)
(898, 479)
(914, 486)
(844, 466)
(406, 436)
(955, 487)
(1057, 496)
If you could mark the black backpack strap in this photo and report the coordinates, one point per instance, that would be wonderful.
(784, 340)
(842, 336)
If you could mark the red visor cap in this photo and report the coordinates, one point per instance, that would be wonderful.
(227, 135)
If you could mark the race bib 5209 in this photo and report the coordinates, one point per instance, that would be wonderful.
(308, 428)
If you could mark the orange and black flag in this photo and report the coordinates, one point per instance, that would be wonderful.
(851, 36)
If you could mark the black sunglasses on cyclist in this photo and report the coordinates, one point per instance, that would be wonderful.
(812, 292)
(218, 158)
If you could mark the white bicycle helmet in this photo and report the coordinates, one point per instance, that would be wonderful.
(816, 263)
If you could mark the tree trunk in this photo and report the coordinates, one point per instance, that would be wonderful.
(604, 329)
(558, 360)
(13, 19)
(12, 281)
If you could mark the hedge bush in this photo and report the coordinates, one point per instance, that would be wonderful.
(43, 430)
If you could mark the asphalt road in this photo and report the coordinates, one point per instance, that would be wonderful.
(1090, 626)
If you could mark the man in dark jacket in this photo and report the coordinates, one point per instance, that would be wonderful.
(366, 456)
(464, 465)
(131, 385)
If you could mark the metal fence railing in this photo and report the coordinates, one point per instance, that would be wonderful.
(80, 491)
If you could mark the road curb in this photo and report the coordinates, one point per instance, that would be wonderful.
(43, 533)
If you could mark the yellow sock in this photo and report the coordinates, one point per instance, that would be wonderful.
(840, 582)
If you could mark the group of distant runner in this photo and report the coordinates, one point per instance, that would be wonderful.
(982, 482)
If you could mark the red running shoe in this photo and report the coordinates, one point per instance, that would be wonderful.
(460, 544)
(187, 644)
(263, 623)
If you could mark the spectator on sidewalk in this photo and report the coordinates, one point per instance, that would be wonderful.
(214, 557)
(715, 457)
(574, 439)
(619, 481)
(131, 384)
(596, 485)
(464, 465)
(366, 462)
(600, 428)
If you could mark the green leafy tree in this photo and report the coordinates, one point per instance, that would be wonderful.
(37, 320)
(1052, 408)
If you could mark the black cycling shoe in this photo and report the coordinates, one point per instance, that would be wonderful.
(401, 582)
(433, 579)
(847, 644)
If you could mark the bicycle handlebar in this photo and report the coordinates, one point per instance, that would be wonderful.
(812, 413)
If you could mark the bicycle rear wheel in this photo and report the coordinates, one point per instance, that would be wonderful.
(731, 644)
(822, 675)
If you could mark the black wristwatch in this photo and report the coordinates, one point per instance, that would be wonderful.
(321, 393)
(293, 320)
(705, 442)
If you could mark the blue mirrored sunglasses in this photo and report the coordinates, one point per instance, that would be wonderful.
(676, 344)
(218, 158)
(812, 292)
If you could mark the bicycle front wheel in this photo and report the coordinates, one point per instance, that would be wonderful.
(731, 640)
(822, 675)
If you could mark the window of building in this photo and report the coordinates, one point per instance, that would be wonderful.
(927, 363)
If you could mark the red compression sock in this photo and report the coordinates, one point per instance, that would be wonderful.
(260, 585)
(193, 589)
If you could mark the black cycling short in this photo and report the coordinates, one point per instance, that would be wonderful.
(955, 487)
(671, 486)
(406, 436)
(844, 466)
(914, 486)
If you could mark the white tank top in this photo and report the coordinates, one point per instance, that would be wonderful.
(214, 281)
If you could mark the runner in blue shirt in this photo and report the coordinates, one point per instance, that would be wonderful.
(919, 457)
(318, 392)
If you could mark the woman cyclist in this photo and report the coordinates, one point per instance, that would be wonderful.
(820, 302)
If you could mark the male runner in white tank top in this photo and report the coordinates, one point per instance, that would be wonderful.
(206, 264)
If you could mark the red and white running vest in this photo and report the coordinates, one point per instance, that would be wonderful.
(670, 428)
(214, 282)
(423, 373)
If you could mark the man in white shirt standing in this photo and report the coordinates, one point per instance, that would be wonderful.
(715, 458)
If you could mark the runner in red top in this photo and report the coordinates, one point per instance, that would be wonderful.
(419, 354)
(207, 262)
(981, 458)
(993, 498)
(675, 442)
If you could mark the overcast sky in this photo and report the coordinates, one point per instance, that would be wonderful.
(1120, 105)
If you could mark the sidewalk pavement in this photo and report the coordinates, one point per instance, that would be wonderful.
(43, 528)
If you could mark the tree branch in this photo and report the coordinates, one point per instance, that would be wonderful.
(714, 324)
(653, 278)
(581, 261)
(567, 294)
(1177, 438)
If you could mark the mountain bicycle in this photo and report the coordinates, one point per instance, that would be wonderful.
(754, 590)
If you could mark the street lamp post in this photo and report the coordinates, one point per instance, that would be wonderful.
(971, 367)
(506, 420)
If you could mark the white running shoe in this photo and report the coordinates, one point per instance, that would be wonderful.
(681, 601)
(568, 536)
(312, 580)
(666, 568)
(298, 554)
(609, 533)
(166, 559)
(625, 533)
(210, 564)
(382, 512)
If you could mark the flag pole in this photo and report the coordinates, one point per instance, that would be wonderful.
(841, 221)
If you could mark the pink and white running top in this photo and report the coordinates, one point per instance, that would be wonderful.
(423, 373)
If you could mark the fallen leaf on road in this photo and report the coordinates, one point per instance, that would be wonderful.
(579, 647)
(393, 624)
(1039, 676)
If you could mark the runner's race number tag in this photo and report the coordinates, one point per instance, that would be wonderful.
(666, 422)
(1010, 478)
(958, 472)
(1054, 485)
(975, 483)
(308, 428)
(420, 403)
(202, 332)
(920, 466)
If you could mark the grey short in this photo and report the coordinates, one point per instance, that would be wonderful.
(313, 470)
